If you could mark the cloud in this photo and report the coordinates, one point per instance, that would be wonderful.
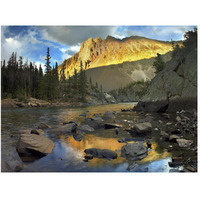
(72, 35)
(158, 32)
(70, 51)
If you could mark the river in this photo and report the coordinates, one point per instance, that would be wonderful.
(67, 154)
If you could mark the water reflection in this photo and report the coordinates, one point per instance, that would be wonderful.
(67, 154)
(93, 141)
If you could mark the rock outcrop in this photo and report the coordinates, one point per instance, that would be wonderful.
(175, 87)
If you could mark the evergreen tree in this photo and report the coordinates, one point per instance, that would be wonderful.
(159, 63)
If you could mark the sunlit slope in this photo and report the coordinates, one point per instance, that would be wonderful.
(111, 51)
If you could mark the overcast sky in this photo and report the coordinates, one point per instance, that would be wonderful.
(64, 41)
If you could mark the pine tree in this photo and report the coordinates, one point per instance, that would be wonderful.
(159, 63)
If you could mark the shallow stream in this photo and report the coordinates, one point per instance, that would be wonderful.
(67, 154)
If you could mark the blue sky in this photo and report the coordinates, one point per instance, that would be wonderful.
(31, 42)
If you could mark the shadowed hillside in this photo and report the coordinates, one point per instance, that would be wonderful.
(116, 76)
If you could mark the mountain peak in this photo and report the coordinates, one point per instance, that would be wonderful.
(97, 52)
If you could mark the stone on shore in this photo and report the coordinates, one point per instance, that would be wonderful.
(110, 126)
(184, 143)
(143, 128)
(37, 132)
(173, 138)
(43, 126)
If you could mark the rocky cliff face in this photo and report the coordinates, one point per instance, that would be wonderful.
(174, 88)
(97, 52)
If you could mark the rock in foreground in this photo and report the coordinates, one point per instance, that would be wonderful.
(85, 128)
(65, 129)
(184, 143)
(101, 153)
(43, 126)
(94, 122)
(108, 115)
(134, 151)
(143, 128)
(31, 144)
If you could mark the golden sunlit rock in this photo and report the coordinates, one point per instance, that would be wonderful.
(97, 52)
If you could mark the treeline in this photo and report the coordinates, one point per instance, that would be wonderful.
(132, 92)
(24, 80)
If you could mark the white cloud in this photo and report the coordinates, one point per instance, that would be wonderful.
(69, 52)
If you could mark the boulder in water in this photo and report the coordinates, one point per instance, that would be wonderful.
(101, 153)
(43, 126)
(85, 128)
(31, 144)
(94, 122)
(66, 129)
(108, 115)
(134, 151)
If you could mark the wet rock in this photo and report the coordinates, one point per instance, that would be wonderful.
(78, 137)
(110, 126)
(85, 128)
(89, 156)
(66, 129)
(134, 151)
(106, 153)
(148, 143)
(43, 126)
(108, 115)
(94, 122)
(71, 122)
(173, 138)
(122, 140)
(101, 153)
(184, 143)
(143, 128)
(19, 168)
(31, 144)
(37, 132)
(132, 166)
(5, 167)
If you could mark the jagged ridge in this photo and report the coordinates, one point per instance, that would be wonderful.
(97, 52)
